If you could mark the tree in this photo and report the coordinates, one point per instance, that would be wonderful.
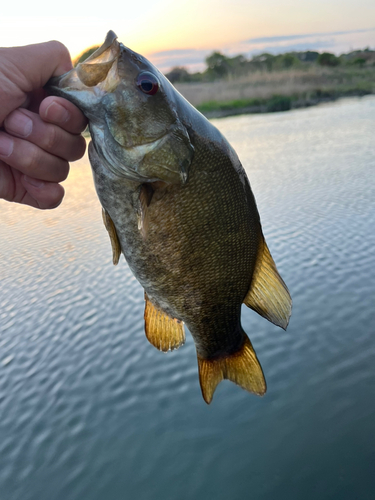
(328, 59)
(178, 74)
(218, 64)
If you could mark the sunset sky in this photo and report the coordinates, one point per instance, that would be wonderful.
(184, 32)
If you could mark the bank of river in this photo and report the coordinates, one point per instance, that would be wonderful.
(264, 92)
(275, 103)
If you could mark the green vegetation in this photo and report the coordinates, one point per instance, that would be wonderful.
(328, 59)
(214, 109)
(268, 83)
(275, 103)
(220, 66)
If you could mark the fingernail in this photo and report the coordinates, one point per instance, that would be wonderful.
(19, 124)
(57, 113)
(34, 182)
(6, 145)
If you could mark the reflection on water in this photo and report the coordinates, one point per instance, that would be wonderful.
(90, 410)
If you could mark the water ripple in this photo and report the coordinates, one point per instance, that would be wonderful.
(89, 409)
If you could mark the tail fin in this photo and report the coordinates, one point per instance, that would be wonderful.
(242, 368)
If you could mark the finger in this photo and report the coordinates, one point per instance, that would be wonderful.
(27, 125)
(63, 113)
(16, 187)
(43, 195)
(31, 159)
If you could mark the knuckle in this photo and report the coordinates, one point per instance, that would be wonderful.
(60, 48)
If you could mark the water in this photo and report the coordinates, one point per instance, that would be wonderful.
(90, 410)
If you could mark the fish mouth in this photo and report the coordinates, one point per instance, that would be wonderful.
(98, 73)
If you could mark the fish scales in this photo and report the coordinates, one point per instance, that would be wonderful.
(179, 206)
(193, 268)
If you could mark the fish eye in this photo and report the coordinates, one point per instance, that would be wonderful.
(148, 83)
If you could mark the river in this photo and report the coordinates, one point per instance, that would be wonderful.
(89, 410)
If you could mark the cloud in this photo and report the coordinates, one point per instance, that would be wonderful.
(191, 58)
(174, 52)
(295, 47)
(333, 41)
(283, 38)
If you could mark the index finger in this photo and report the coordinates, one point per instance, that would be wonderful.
(62, 113)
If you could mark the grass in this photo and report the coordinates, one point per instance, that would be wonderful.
(278, 90)
(274, 103)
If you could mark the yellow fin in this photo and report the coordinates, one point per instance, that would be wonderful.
(116, 247)
(268, 294)
(162, 331)
(242, 368)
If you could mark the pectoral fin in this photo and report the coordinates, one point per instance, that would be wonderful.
(268, 294)
(242, 368)
(162, 331)
(116, 247)
(145, 195)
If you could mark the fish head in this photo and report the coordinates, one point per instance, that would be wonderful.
(132, 113)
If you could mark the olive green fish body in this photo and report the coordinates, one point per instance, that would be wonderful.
(177, 203)
(197, 258)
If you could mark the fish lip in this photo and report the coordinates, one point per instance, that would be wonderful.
(90, 72)
(52, 87)
(110, 38)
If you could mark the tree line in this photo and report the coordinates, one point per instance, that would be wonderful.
(219, 66)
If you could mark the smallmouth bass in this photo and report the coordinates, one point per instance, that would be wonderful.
(177, 203)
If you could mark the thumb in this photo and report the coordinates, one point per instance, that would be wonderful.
(26, 69)
(37, 63)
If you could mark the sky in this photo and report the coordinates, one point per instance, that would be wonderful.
(183, 32)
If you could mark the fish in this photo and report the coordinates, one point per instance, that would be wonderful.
(178, 205)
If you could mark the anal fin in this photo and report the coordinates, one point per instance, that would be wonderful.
(268, 294)
(242, 368)
(162, 331)
(115, 243)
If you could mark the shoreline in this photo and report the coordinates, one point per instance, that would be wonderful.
(274, 104)
(264, 92)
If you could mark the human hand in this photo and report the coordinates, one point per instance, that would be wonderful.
(38, 136)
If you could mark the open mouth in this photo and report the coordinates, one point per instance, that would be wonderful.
(99, 70)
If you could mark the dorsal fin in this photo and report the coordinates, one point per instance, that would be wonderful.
(115, 243)
(162, 331)
(268, 294)
(242, 368)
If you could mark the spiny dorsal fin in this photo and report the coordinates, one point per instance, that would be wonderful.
(242, 368)
(268, 294)
(162, 331)
(145, 196)
(116, 247)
